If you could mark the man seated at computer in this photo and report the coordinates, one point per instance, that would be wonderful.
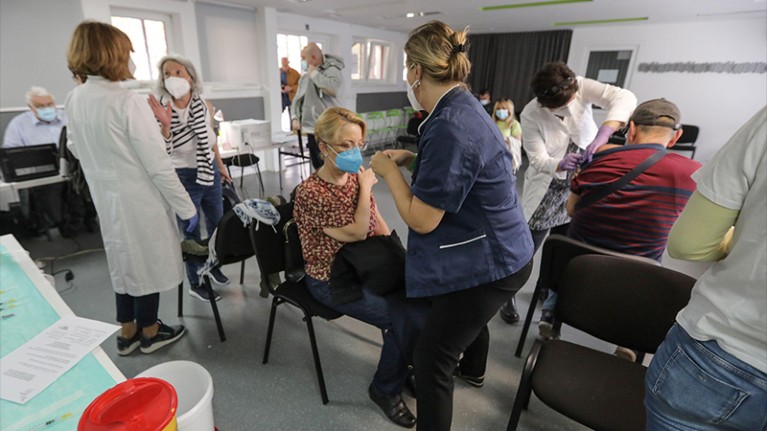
(40, 125)
(41, 206)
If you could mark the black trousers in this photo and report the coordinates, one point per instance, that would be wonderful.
(142, 309)
(454, 324)
(314, 151)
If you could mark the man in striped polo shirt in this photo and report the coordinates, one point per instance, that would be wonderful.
(637, 217)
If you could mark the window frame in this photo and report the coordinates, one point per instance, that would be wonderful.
(143, 15)
(365, 60)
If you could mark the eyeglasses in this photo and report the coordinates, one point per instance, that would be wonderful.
(348, 145)
(548, 92)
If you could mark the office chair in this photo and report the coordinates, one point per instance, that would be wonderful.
(412, 133)
(688, 139)
(269, 243)
(622, 301)
(232, 245)
(243, 161)
(558, 250)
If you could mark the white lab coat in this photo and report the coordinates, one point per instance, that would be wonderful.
(545, 137)
(135, 189)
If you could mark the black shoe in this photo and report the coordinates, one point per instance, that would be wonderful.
(477, 382)
(546, 325)
(218, 277)
(509, 312)
(393, 407)
(126, 346)
(166, 335)
(410, 386)
(201, 293)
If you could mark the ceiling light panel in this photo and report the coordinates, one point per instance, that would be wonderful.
(532, 4)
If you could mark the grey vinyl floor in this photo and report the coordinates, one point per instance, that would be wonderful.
(283, 394)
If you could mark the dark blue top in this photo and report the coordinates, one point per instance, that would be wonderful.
(464, 168)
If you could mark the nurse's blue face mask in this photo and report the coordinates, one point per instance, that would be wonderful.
(349, 160)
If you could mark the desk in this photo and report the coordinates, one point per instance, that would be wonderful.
(9, 192)
(38, 306)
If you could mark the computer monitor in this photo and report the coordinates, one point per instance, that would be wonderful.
(247, 135)
(29, 163)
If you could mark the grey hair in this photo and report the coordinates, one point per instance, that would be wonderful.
(190, 69)
(36, 91)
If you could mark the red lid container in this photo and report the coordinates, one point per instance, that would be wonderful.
(140, 404)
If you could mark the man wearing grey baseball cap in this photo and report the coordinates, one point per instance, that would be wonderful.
(629, 196)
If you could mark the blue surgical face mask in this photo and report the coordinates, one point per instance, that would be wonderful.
(304, 66)
(349, 160)
(46, 114)
(502, 114)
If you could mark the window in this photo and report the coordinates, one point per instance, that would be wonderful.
(610, 67)
(290, 46)
(370, 60)
(149, 34)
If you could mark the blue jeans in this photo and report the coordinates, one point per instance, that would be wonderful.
(207, 199)
(373, 309)
(695, 385)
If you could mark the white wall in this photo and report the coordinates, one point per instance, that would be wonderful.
(228, 41)
(34, 37)
(718, 103)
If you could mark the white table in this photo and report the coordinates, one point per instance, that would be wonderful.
(9, 192)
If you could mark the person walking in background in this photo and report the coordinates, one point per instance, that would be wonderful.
(711, 371)
(558, 133)
(135, 190)
(186, 123)
(288, 83)
(317, 90)
(469, 248)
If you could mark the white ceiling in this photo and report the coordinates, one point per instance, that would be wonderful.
(390, 14)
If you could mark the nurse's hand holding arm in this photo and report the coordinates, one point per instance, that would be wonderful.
(418, 215)
(401, 157)
(603, 135)
(357, 230)
(570, 162)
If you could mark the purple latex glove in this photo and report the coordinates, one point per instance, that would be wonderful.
(603, 135)
(570, 162)
(192, 223)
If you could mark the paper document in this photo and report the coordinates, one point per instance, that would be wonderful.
(28, 370)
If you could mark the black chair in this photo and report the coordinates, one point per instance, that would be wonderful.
(269, 245)
(243, 161)
(295, 152)
(622, 301)
(412, 133)
(688, 140)
(232, 245)
(558, 250)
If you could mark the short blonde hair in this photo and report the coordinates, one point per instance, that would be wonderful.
(440, 51)
(100, 49)
(507, 104)
(329, 123)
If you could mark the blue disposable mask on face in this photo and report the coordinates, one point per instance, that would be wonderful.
(502, 114)
(304, 66)
(349, 160)
(47, 114)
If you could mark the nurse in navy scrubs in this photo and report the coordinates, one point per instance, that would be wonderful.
(469, 247)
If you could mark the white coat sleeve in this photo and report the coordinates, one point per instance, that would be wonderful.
(619, 102)
(146, 139)
(535, 146)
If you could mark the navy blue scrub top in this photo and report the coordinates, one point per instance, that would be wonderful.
(464, 168)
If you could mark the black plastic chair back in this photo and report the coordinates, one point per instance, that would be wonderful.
(689, 134)
(232, 240)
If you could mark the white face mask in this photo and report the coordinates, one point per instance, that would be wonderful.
(131, 66)
(484, 102)
(411, 95)
(177, 87)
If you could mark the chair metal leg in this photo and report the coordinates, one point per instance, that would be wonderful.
(528, 319)
(522, 400)
(317, 364)
(214, 306)
(181, 299)
(272, 313)
(260, 181)
(242, 272)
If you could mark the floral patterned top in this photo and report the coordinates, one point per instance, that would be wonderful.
(320, 204)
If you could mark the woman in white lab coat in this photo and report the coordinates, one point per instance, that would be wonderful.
(134, 187)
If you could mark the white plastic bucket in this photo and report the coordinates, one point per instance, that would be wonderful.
(194, 387)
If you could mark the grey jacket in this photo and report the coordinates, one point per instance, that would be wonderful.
(317, 91)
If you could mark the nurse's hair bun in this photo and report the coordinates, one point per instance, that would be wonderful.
(440, 51)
